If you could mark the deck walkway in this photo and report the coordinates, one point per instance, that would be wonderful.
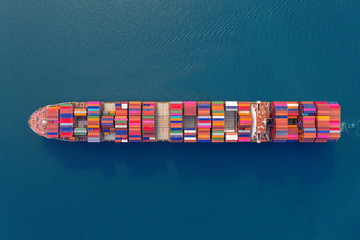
(162, 121)
(230, 121)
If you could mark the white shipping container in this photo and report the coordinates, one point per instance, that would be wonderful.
(231, 103)
(121, 126)
(190, 131)
(175, 134)
(190, 138)
(231, 137)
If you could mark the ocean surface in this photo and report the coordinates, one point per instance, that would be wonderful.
(54, 51)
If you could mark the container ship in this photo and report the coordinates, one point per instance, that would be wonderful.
(189, 121)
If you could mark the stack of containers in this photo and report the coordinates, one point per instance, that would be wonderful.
(218, 121)
(93, 121)
(78, 112)
(80, 131)
(334, 121)
(231, 135)
(121, 122)
(134, 121)
(245, 121)
(279, 131)
(322, 121)
(293, 113)
(176, 122)
(52, 126)
(190, 110)
(307, 131)
(66, 120)
(204, 121)
(107, 122)
(148, 122)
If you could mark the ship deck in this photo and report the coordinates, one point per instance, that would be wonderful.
(162, 121)
(230, 121)
(115, 121)
(37, 122)
(190, 122)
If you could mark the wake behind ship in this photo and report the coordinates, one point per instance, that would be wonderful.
(189, 121)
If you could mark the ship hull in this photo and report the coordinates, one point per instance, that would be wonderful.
(189, 121)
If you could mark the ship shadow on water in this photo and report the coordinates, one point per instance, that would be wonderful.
(138, 158)
(309, 163)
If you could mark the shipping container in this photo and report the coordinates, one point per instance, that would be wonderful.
(204, 121)
(244, 122)
(148, 122)
(307, 128)
(176, 121)
(66, 120)
(121, 122)
(134, 121)
(218, 121)
(93, 121)
(279, 113)
(190, 121)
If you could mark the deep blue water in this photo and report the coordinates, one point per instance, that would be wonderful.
(54, 51)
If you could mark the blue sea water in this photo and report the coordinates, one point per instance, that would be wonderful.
(54, 51)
